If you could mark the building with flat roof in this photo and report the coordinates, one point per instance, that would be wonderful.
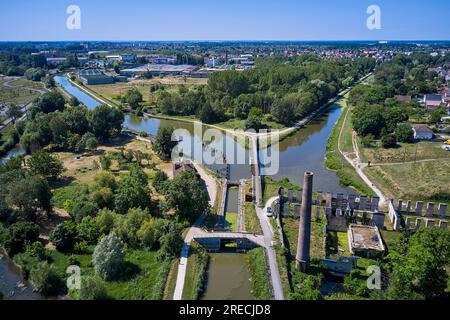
(160, 69)
(365, 241)
(94, 76)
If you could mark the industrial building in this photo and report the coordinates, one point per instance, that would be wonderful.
(94, 76)
(160, 69)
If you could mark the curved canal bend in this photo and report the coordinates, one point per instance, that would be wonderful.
(302, 151)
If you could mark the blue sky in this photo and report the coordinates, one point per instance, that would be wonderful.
(28, 20)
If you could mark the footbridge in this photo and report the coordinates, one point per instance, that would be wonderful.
(215, 241)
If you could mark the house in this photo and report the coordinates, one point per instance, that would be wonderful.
(180, 167)
(404, 99)
(423, 133)
(433, 101)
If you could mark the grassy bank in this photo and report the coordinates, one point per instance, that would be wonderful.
(196, 273)
(335, 161)
(259, 272)
(251, 219)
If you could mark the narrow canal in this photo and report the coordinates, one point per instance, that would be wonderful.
(228, 276)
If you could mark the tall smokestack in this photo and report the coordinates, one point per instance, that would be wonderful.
(304, 235)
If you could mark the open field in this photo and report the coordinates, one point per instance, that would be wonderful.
(84, 169)
(19, 92)
(406, 152)
(114, 91)
(414, 181)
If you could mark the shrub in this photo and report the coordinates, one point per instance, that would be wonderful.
(389, 141)
(19, 235)
(92, 288)
(46, 280)
(64, 236)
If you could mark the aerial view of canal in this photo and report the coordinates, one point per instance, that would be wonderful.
(228, 275)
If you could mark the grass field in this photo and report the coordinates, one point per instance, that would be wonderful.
(84, 169)
(141, 278)
(116, 90)
(406, 153)
(20, 94)
(414, 181)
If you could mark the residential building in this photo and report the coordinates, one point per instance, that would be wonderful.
(433, 101)
(423, 133)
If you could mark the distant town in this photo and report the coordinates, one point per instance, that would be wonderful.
(90, 189)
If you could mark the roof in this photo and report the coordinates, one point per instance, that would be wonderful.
(91, 72)
(433, 97)
(365, 237)
(403, 98)
(422, 129)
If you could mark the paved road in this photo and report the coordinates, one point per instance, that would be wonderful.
(211, 185)
(356, 163)
(271, 255)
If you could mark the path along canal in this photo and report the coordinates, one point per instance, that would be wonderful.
(302, 151)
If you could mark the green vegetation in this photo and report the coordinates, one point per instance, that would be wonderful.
(269, 93)
(231, 220)
(196, 273)
(259, 273)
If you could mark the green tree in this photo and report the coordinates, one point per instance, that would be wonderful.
(108, 257)
(13, 112)
(133, 97)
(163, 143)
(64, 236)
(254, 120)
(46, 165)
(404, 133)
(105, 162)
(187, 195)
(418, 265)
(106, 121)
(50, 102)
(19, 235)
(131, 224)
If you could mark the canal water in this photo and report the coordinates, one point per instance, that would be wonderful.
(228, 275)
(228, 278)
(12, 284)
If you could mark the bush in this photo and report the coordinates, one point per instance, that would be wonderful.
(19, 235)
(64, 236)
(108, 257)
(84, 209)
(92, 288)
(389, 141)
(46, 280)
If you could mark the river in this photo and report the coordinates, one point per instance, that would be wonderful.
(300, 152)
